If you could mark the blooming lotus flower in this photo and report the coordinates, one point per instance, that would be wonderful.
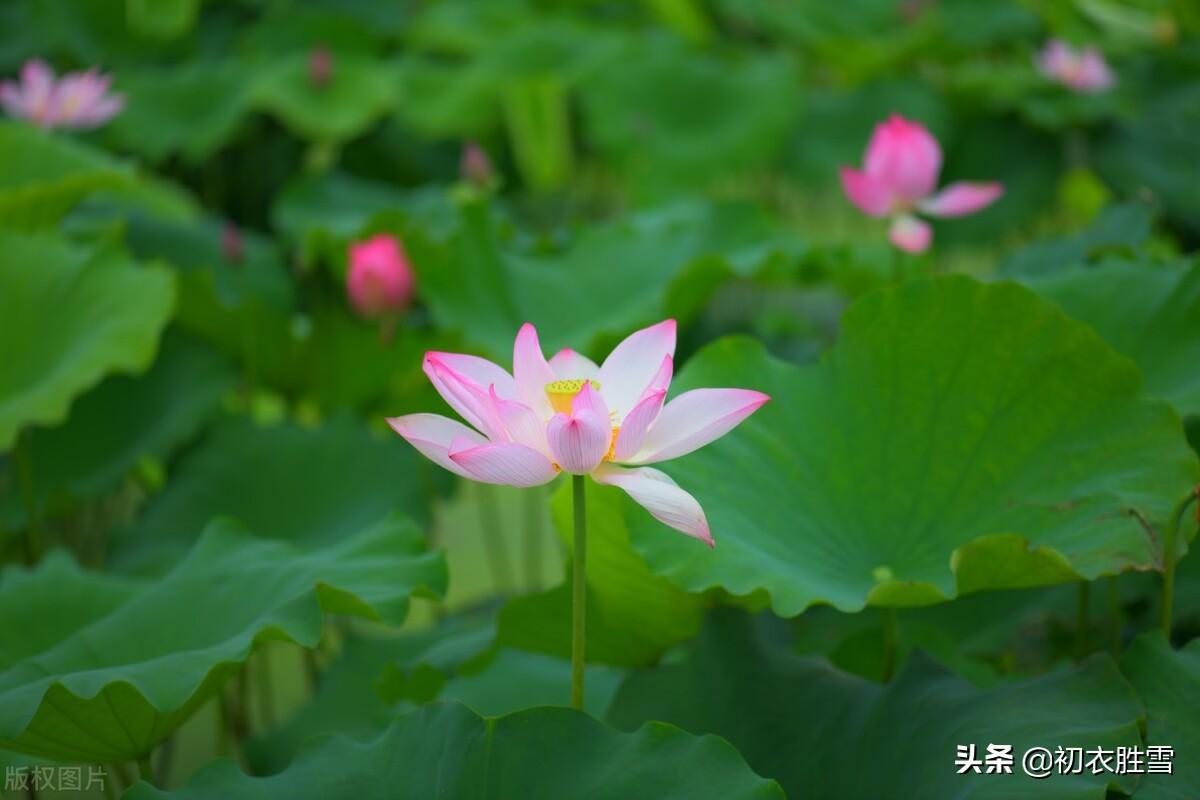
(379, 280)
(1083, 71)
(570, 415)
(77, 100)
(898, 178)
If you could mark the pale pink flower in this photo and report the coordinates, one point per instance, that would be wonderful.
(1083, 71)
(379, 279)
(474, 165)
(898, 178)
(570, 415)
(77, 100)
(320, 67)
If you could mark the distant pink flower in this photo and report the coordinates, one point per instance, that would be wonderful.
(77, 100)
(898, 178)
(320, 67)
(379, 279)
(231, 244)
(474, 165)
(1083, 70)
(569, 415)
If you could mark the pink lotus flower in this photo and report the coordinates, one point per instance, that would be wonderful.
(1083, 70)
(77, 100)
(379, 280)
(898, 178)
(474, 165)
(569, 415)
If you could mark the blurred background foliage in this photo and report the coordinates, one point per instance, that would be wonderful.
(194, 356)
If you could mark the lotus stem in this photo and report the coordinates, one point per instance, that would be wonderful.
(889, 644)
(578, 594)
(1169, 547)
(146, 768)
(1081, 619)
(489, 524)
(24, 458)
(1114, 616)
(533, 537)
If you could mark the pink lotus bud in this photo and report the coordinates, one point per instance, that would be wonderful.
(379, 281)
(231, 244)
(1083, 71)
(474, 165)
(320, 67)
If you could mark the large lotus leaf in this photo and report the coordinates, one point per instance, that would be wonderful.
(516, 680)
(192, 110)
(446, 751)
(809, 726)
(371, 682)
(958, 437)
(633, 616)
(1151, 314)
(610, 279)
(669, 117)
(122, 421)
(1168, 683)
(71, 316)
(50, 176)
(285, 482)
(1116, 227)
(123, 666)
(360, 90)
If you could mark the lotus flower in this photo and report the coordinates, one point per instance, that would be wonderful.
(569, 415)
(77, 100)
(379, 281)
(474, 165)
(898, 178)
(1083, 71)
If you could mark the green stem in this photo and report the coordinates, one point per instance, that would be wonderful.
(889, 644)
(24, 459)
(489, 525)
(1081, 619)
(533, 537)
(145, 768)
(1114, 616)
(1168, 587)
(578, 594)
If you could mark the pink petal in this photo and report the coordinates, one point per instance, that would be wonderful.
(1094, 74)
(522, 424)
(570, 365)
(868, 194)
(579, 442)
(636, 422)
(694, 419)
(432, 435)
(910, 234)
(904, 157)
(531, 372)
(629, 369)
(506, 463)
(662, 379)
(463, 391)
(962, 198)
(657, 493)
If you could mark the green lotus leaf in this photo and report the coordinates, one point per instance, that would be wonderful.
(1168, 683)
(958, 437)
(633, 616)
(123, 664)
(192, 109)
(447, 751)
(285, 482)
(1149, 313)
(71, 316)
(809, 726)
(360, 91)
(50, 176)
(122, 421)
